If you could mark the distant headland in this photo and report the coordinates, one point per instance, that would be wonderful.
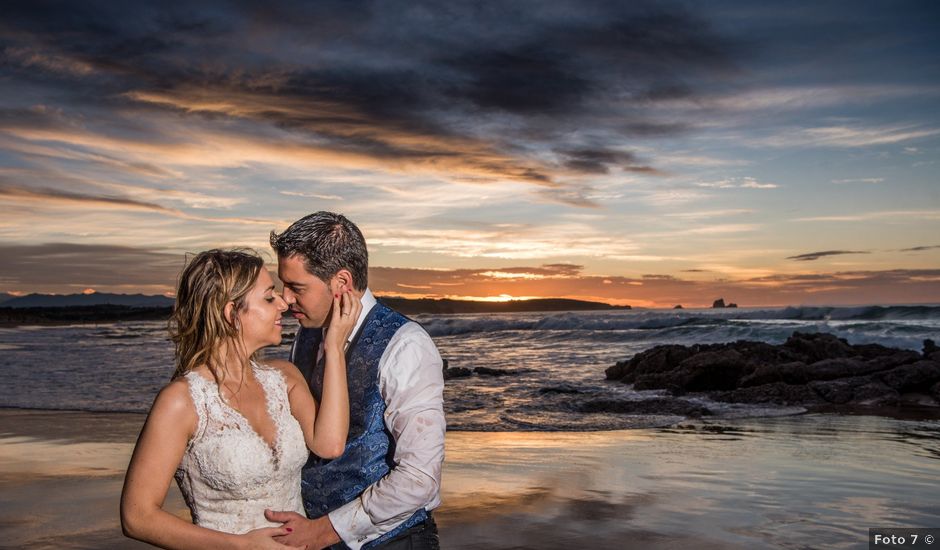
(46, 309)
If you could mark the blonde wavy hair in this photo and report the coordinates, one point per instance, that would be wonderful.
(198, 326)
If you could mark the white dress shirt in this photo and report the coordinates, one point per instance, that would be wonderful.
(411, 381)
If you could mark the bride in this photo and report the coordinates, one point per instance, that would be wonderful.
(232, 430)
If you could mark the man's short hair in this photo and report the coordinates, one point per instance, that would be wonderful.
(327, 242)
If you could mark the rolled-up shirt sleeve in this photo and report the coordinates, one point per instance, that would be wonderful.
(412, 383)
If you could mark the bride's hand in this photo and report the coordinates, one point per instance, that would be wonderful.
(346, 310)
(263, 539)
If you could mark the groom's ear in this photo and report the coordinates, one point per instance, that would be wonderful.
(344, 280)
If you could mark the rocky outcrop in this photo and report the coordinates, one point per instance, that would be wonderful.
(808, 369)
(455, 372)
(486, 371)
(463, 372)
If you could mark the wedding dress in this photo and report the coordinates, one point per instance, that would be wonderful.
(229, 474)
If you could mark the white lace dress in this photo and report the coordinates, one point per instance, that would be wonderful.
(229, 474)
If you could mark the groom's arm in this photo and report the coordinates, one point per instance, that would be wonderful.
(412, 384)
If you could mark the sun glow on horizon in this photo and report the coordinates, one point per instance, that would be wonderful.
(499, 298)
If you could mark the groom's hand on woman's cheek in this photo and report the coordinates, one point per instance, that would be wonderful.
(314, 533)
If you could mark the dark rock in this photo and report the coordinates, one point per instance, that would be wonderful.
(930, 348)
(720, 302)
(875, 393)
(935, 391)
(645, 406)
(732, 304)
(762, 353)
(896, 359)
(831, 369)
(486, 371)
(931, 351)
(818, 346)
(916, 377)
(456, 372)
(871, 351)
(918, 399)
(855, 390)
(717, 370)
(838, 392)
(565, 388)
(656, 381)
(777, 393)
(768, 374)
(655, 360)
(810, 369)
(677, 306)
(617, 370)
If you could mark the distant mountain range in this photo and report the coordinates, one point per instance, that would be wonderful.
(405, 305)
(410, 306)
(76, 300)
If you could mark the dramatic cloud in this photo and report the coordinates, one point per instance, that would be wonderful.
(617, 138)
(811, 256)
(55, 195)
(896, 216)
(847, 136)
(738, 183)
(660, 290)
(43, 197)
(30, 268)
(40, 268)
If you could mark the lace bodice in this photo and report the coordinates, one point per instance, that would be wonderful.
(229, 474)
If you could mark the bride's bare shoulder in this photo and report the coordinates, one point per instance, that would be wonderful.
(285, 367)
(175, 401)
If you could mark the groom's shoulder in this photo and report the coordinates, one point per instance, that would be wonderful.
(413, 330)
(413, 341)
(408, 324)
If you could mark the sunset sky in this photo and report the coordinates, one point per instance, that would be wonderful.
(643, 153)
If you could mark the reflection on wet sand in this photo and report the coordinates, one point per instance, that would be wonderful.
(805, 481)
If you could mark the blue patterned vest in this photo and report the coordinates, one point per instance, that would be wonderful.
(328, 484)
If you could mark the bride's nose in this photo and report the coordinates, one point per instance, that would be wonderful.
(282, 303)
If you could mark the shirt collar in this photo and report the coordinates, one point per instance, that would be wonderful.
(368, 302)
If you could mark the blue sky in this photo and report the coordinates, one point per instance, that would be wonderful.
(651, 153)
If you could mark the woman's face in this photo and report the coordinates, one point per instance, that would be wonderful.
(260, 318)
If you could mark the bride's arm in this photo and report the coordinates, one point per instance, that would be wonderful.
(159, 449)
(326, 424)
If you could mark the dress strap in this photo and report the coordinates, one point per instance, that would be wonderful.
(275, 388)
(199, 393)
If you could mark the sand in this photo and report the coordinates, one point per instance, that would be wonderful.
(810, 481)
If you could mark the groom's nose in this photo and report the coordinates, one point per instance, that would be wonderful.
(289, 296)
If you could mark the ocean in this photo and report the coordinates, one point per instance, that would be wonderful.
(552, 360)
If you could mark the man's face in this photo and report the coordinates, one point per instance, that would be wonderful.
(309, 298)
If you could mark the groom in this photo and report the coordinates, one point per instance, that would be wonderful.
(380, 492)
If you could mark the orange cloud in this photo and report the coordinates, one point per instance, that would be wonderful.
(838, 288)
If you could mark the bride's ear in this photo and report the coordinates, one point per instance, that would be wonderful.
(229, 313)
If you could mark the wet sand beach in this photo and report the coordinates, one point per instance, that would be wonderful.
(808, 481)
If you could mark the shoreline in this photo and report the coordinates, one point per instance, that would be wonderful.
(776, 482)
(911, 412)
(83, 315)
